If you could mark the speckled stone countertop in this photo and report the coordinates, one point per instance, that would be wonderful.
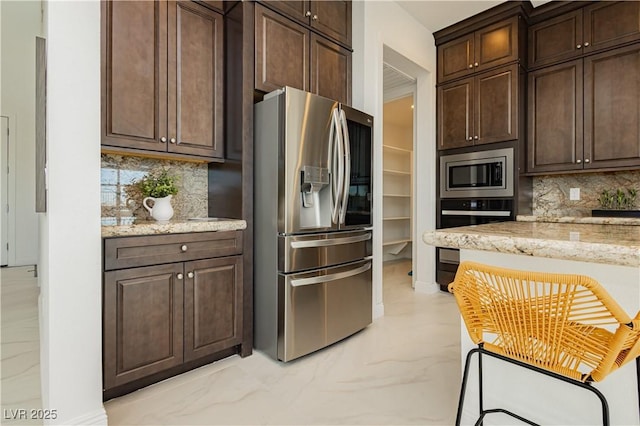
(171, 227)
(586, 219)
(609, 244)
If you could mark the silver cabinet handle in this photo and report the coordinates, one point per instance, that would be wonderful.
(179, 276)
(476, 137)
(331, 242)
(470, 65)
(579, 161)
(308, 13)
(501, 213)
(190, 275)
(172, 140)
(331, 277)
(470, 138)
(314, 17)
(476, 64)
(163, 139)
(586, 160)
(578, 46)
(586, 44)
(183, 248)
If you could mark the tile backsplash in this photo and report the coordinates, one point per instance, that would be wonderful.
(117, 171)
(551, 193)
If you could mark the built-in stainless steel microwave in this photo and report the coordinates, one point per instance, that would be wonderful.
(477, 174)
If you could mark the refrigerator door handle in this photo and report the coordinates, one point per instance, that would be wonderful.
(347, 165)
(332, 277)
(331, 242)
(338, 162)
(332, 169)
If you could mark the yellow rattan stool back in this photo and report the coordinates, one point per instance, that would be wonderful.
(567, 324)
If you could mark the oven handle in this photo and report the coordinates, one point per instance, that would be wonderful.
(501, 213)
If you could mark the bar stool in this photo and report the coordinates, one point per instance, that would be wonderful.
(561, 325)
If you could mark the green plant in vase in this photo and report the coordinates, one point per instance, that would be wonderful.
(158, 187)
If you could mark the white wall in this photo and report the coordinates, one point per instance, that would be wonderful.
(21, 22)
(377, 24)
(70, 300)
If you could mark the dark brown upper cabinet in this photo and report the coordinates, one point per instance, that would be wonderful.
(486, 48)
(330, 18)
(585, 114)
(162, 79)
(288, 54)
(479, 110)
(602, 25)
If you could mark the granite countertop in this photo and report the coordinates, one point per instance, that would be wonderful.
(598, 243)
(129, 228)
(585, 219)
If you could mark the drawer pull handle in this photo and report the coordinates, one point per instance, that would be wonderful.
(183, 248)
(163, 139)
(578, 46)
(586, 160)
(579, 161)
(308, 13)
(190, 275)
(172, 140)
(179, 276)
(314, 17)
(586, 44)
(476, 64)
(470, 65)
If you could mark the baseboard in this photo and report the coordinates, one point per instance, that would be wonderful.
(378, 310)
(97, 418)
(427, 288)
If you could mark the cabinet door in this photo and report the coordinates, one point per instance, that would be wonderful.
(195, 80)
(455, 112)
(608, 24)
(142, 322)
(612, 108)
(455, 58)
(496, 106)
(212, 306)
(496, 44)
(282, 52)
(134, 79)
(554, 139)
(295, 9)
(333, 19)
(330, 70)
(555, 40)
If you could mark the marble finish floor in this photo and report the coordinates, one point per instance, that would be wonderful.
(402, 369)
(20, 345)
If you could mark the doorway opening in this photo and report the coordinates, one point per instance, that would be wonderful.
(398, 177)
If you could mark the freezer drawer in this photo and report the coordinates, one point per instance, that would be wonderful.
(305, 252)
(323, 307)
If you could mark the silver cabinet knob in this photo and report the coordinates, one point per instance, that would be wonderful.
(172, 140)
(179, 276)
(586, 160)
(190, 275)
(579, 161)
(586, 44)
(470, 138)
(314, 17)
(163, 139)
(184, 247)
(475, 64)
(470, 66)
(578, 46)
(476, 137)
(308, 13)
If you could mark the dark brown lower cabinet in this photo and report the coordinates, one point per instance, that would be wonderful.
(212, 306)
(142, 322)
(161, 320)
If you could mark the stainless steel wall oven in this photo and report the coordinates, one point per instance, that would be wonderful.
(465, 212)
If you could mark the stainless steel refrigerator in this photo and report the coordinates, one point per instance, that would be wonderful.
(313, 223)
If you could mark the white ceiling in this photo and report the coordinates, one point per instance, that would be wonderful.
(438, 14)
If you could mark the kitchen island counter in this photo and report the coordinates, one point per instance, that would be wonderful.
(597, 243)
(171, 227)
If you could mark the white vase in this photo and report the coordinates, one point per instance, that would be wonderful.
(161, 209)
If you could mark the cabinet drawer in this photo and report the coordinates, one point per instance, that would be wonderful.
(128, 252)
